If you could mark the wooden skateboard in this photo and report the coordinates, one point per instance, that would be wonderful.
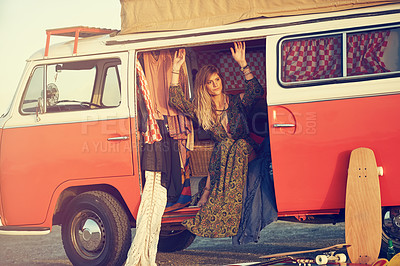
(328, 255)
(363, 221)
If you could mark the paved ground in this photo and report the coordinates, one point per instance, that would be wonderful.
(277, 237)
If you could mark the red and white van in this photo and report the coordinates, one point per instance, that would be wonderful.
(71, 156)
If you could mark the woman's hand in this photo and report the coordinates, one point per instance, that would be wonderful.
(203, 198)
(179, 59)
(239, 53)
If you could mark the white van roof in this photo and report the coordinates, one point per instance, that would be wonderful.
(149, 40)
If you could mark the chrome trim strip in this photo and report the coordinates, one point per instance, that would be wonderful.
(65, 123)
(118, 138)
(344, 54)
(24, 233)
(283, 125)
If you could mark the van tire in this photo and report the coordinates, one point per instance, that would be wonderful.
(171, 241)
(96, 230)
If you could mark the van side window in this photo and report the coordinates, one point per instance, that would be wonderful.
(365, 52)
(33, 92)
(315, 59)
(75, 86)
(312, 58)
(391, 55)
(112, 87)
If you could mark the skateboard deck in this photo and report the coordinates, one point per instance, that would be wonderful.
(285, 254)
(363, 221)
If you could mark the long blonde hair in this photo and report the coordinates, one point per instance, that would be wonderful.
(204, 105)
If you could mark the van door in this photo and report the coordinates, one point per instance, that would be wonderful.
(320, 109)
(79, 129)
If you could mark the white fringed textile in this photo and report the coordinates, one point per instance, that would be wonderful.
(154, 199)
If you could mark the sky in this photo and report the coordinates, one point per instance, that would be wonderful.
(23, 25)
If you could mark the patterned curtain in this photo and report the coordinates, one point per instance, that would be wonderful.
(231, 70)
(152, 133)
(311, 59)
(365, 51)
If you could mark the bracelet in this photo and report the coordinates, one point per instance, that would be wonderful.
(243, 68)
(175, 72)
(247, 72)
(206, 188)
(174, 84)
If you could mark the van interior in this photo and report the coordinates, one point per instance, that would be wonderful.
(194, 165)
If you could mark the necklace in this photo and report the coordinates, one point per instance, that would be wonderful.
(223, 110)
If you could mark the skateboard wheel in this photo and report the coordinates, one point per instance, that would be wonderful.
(321, 260)
(341, 257)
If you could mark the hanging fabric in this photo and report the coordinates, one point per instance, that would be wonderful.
(152, 133)
(158, 68)
(185, 197)
(181, 129)
(163, 156)
(143, 250)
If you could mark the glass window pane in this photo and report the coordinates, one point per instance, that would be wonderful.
(372, 52)
(33, 92)
(311, 58)
(73, 84)
(70, 86)
(111, 90)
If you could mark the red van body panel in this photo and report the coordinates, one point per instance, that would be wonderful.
(310, 160)
(58, 156)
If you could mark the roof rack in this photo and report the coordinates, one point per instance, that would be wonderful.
(78, 31)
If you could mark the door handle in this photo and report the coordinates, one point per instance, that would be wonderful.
(118, 138)
(283, 125)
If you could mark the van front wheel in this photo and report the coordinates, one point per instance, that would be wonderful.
(96, 230)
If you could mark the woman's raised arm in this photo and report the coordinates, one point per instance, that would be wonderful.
(177, 98)
(239, 55)
(179, 59)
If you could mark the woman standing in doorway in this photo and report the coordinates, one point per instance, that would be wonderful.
(224, 116)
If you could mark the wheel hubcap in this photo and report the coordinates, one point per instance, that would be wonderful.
(88, 234)
(391, 224)
(396, 221)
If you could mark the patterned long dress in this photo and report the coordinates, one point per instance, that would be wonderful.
(220, 216)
